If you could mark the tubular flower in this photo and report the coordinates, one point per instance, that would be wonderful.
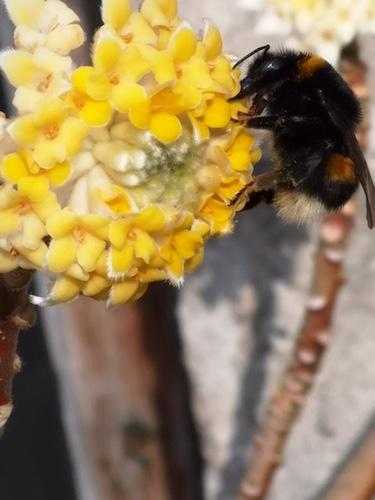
(115, 175)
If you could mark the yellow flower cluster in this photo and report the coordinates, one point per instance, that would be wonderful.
(114, 175)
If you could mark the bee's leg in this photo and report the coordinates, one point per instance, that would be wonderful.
(260, 189)
(268, 180)
(281, 121)
(263, 122)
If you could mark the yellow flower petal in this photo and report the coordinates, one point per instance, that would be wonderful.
(96, 114)
(116, 12)
(80, 77)
(149, 275)
(62, 223)
(61, 254)
(201, 131)
(164, 37)
(9, 222)
(185, 243)
(25, 11)
(36, 257)
(169, 101)
(150, 219)
(95, 285)
(48, 154)
(118, 233)
(175, 267)
(167, 128)
(59, 174)
(169, 7)
(33, 232)
(230, 187)
(192, 97)
(26, 99)
(123, 292)
(49, 112)
(34, 188)
(19, 67)
(64, 39)
(139, 115)
(140, 28)
(243, 142)
(117, 200)
(72, 133)
(47, 207)
(240, 161)
(152, 11)
(23, 130)
(58, 13)
(106, 54)
(193, 263)
(218, 113)
(197, 74)
(99, 87)
(121, 260)
(89, 251)
(218, 214)
(75, 271)
(96, 225)
(50, 64)
(255, 155)
(142, 289)
(64, 290)
(222, 73)
(144, 247)
(163, 68)
(13, 168)
(213, 42)
(128, 95)
(133, 66)
(182, 44)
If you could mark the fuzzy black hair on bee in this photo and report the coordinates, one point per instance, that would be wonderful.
(313, 115)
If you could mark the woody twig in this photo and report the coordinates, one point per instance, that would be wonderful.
(311, 343)
(357, 479)
(16, 313)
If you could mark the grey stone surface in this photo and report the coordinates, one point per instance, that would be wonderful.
(240, 313)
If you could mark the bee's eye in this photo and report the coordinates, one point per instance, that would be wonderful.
(273, 65)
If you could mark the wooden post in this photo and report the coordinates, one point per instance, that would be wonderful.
(126, 399)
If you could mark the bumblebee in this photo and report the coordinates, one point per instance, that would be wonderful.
(312, 114)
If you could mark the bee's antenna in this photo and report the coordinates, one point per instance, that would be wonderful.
(266, 48)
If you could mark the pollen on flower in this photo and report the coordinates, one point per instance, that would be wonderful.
(114, 175)
(51, 132)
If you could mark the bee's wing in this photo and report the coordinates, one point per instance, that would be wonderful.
(364, 176)
(356, 154)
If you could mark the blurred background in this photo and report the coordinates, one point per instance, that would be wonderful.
(160, 400)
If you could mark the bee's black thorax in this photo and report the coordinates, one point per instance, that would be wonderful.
(289, 91)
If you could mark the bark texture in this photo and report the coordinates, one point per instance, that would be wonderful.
(15, 314)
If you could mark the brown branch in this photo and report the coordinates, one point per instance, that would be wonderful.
(15, 314)
(311, 343)
(357, 479)
(287, 403)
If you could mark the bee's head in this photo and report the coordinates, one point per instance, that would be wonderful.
(267, 71)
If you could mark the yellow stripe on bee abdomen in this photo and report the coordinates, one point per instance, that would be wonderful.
(341, 169)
